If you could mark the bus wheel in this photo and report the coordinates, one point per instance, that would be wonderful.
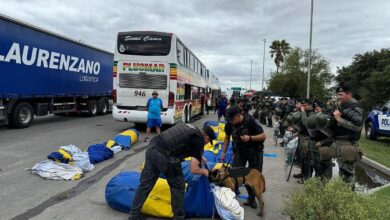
(22, 116)
(189, 114)
(185, 115)
(92, 108)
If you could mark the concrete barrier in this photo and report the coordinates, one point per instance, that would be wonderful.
(376, 165)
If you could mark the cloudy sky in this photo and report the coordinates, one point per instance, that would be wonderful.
(224, 34)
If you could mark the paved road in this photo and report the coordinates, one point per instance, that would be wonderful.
(25, 196)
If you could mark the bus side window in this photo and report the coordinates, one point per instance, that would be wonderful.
(195, 92)
(180, 53)
(192, 62)
(188, 58)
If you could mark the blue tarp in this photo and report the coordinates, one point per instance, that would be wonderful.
(188, 176)
(228, 156)
(199, 200)
(121, 189)
(127, 138)
(57, 156)
(210, 156)
(210, 123)
(99, 152)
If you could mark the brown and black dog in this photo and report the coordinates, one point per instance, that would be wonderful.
(252, 179)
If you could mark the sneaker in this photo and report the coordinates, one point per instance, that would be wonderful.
(146, 139)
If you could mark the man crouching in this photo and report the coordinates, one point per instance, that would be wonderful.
(164, 155)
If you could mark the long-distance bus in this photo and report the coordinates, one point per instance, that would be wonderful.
(213, 90)
(148, 61)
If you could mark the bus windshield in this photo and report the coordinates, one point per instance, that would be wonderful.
(144, 44)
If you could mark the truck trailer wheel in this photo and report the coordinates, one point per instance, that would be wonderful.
(92, 108)
(369, 132)
(22, 115)
(103, 106)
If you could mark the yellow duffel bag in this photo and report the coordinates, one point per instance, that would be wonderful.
(158, 203)
(221, 135)
(211, 147)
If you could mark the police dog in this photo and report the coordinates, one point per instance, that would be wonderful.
(234, 177)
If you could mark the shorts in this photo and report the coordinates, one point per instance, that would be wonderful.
(153, 122)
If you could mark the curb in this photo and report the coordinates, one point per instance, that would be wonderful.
(371, 191)
(376, 165)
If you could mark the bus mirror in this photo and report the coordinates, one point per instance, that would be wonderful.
(385, 109)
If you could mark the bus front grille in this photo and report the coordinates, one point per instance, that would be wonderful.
(144, 81)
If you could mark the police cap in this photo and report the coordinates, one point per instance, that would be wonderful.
(231, 112)
(307, 101)
(344, 87)
(319, 104)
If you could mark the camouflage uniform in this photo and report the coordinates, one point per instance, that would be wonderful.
(348, 131)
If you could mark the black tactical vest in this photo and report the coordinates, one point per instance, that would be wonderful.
(177, 137)
(349, 111)
(241, 131)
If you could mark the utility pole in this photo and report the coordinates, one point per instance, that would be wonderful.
(309, 67)
(250, 79)
(262, 83)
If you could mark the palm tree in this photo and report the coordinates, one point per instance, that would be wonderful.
(279, 49)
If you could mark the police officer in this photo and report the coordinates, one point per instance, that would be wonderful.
(258, 107)
(348, 130)
(244, 104)
(262, 108)
(248, 138)
(304, 140)
(285, 109)
(229, 128)
(164, 155)
(321, 139)
(268, 111)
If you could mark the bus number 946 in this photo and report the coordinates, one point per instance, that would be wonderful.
(139, 93)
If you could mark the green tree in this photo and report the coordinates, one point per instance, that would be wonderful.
(369, 74)
(279, 49)
(291, 80)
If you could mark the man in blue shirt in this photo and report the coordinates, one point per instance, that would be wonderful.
(154, 107)
(222, 105)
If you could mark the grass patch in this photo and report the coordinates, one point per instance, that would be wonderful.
(378, 150)
(383, 198)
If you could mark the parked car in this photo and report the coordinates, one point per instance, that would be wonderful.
(377, 123)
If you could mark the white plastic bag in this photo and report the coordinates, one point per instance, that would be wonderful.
(71, 149)
(226, 204)
(82, 161)
(116, 149)
(49, 169)
(293, 143)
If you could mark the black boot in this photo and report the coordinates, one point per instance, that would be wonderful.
(298, 175)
